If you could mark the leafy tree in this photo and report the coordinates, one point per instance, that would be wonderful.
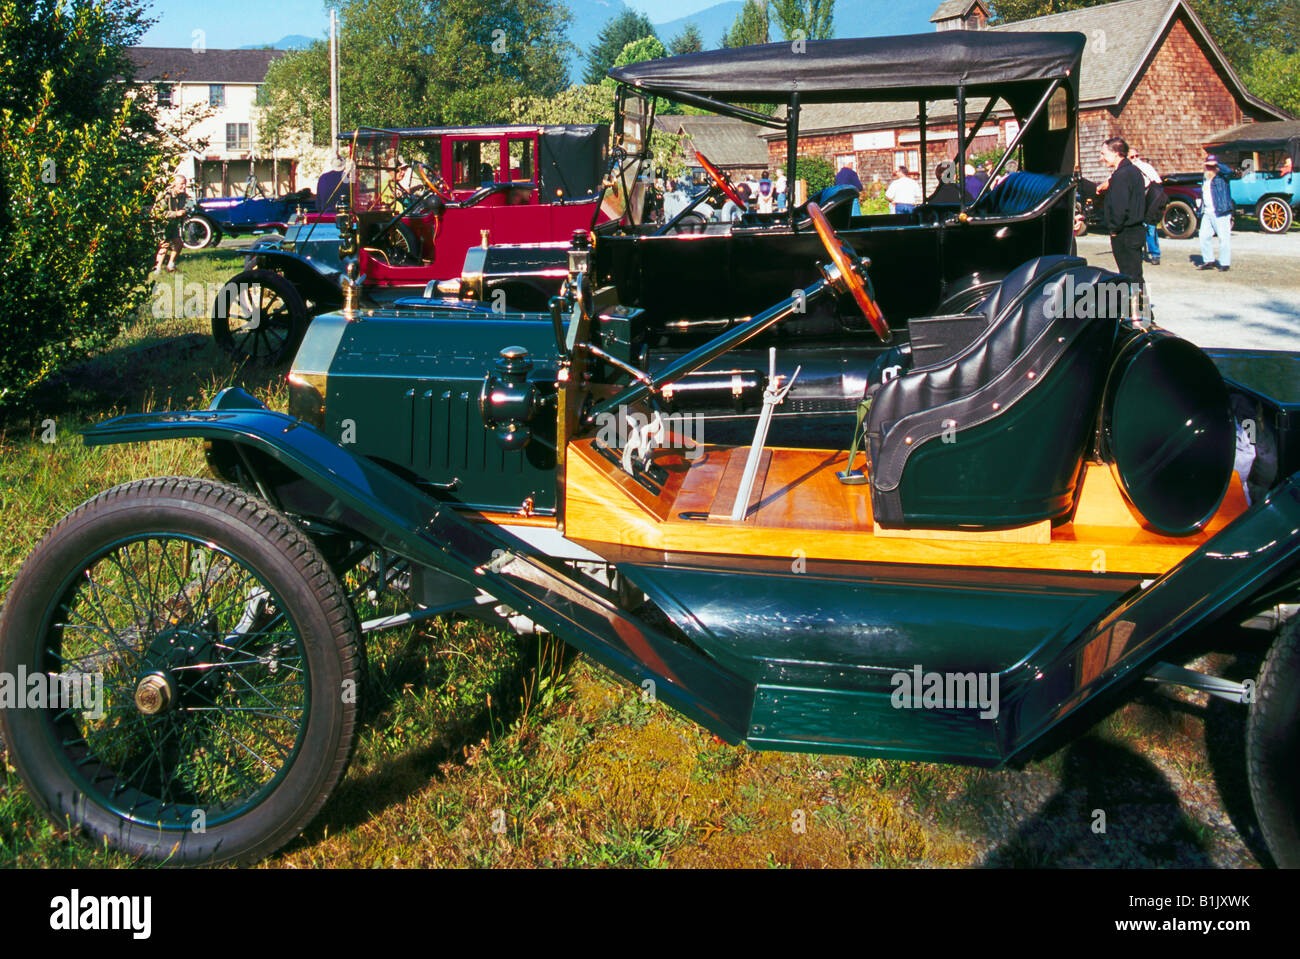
(616, 34)
(806, 19)
(81, 164)
(580, 103)
(1275, 77)
(412, 63)
(749, 27)
(1008, 11)
(1243, 28)
(690, 40)
(816, 170)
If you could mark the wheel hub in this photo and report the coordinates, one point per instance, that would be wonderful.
(154, 694)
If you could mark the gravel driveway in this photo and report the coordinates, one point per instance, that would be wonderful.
(1254, 305)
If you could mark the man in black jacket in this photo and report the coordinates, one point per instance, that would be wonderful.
(1123, 214)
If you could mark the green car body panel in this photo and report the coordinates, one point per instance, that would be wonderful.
(756, 659)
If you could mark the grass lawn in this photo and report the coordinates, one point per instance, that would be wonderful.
(483, 749)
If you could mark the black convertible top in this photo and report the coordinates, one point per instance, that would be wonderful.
(874, 68)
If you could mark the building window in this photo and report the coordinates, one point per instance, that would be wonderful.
(236, 136)
(216, 94)
(164, 94)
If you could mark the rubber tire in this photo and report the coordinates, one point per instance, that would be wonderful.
(207, 231)
(298, 315)
(1273, 747)
(1183, 210)
(1272, 201)
(315, 601)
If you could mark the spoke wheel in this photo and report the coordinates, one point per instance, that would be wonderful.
(1274, 215)
(1178, 222)
(258, 317)
(196, 233)
(201, 651)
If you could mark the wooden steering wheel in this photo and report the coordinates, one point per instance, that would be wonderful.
(719, 180)
(435, 184)
(849, 268)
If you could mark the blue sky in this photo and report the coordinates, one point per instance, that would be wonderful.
(239, 23)
(234, 23)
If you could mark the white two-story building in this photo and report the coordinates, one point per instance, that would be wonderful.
(222, 85)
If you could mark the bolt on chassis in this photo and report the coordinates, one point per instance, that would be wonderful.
(1061, 504)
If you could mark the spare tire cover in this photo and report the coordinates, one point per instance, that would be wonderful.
(1168, 432)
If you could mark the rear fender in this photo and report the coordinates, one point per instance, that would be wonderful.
(314, 477)
(314, 280)
(1247, 566)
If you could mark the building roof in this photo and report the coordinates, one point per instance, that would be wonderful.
(727, 142)
(183, 65)
(1122, 38)
(1131, 28)
(952, 9)
(823, 118)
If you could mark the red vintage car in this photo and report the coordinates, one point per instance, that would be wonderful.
(411, 204)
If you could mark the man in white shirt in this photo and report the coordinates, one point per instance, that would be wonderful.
(1149, 176)
(904, 193)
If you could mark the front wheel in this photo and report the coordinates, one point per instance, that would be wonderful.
(199, 664)
(1179, 220)
(1273, 747)
(259, 317)
(1274, 215)
(197, 233)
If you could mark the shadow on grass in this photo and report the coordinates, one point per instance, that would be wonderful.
(359, 798)
(1144, 823)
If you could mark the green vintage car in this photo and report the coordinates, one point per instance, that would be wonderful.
(1041, 503)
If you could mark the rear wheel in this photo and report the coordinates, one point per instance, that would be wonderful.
(1273, 746)
(218, 662)
(1274, 215)
(1179, 220)
(259, 317)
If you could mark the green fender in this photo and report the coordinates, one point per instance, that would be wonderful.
(350, 492)
(1250, 564)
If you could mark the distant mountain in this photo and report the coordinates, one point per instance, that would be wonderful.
(588, 18)
(714, 22)
(294, 41)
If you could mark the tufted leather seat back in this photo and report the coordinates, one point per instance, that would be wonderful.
(995, 435)
(1018, 194)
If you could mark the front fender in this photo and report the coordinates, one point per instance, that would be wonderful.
(1248, 565)
(332, 485)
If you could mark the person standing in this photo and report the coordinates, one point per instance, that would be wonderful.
(904, 193)
(1216, 217)
(175, 201)
(766, 202)
(1151, 178)
(1123, 213)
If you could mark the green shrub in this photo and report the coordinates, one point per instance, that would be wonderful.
(817, 170)
(81, 164)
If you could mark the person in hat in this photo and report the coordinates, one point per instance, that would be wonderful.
(1216, 216)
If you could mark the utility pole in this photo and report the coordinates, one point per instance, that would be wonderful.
(334, 82)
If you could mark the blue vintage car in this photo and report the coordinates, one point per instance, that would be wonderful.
(1268, 187)
(254, 212)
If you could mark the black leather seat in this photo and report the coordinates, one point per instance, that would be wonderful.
(996, 435)
(836, 201)
(1018, 194)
